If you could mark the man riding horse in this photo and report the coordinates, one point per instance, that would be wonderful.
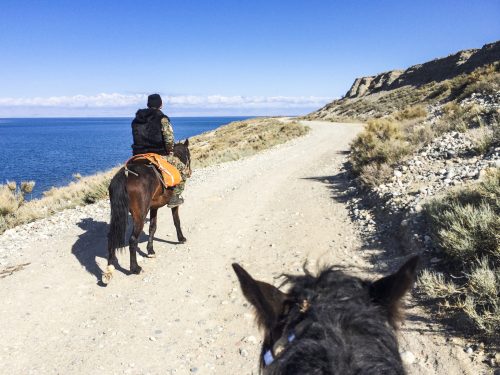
(153, 133)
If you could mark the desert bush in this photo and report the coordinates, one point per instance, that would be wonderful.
(484, 80)
(434, 285)
(13, 196)
(418, 133)
(438, 91)
(376, 174)
(483, 138)
(381, 142)
(465, 224)
(465, 227)
(457, 117)
(413, 112)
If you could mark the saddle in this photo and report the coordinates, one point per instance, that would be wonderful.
(169, 175)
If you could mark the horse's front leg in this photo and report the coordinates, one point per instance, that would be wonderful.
(177, 223)
(152, 229)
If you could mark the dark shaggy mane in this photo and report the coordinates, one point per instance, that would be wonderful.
(347, 334)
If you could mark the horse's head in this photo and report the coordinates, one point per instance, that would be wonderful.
(181, 150)
(329, 323)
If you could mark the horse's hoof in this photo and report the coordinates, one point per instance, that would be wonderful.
(108, 275)
(106, 278)
(151, 254)
(183, 240)
(137, 270)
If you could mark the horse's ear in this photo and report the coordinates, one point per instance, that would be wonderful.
(186, 142)
(389, 290)
(266, 298)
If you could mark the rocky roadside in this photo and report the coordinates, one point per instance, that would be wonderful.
(394, 209)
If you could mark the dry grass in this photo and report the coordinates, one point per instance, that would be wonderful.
(241, 139)
(86, 190)
(465, 226)
(380, 144)
(483, 138)
(230, 142)
(410, 113)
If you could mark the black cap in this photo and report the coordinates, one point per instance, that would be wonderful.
(154, 101)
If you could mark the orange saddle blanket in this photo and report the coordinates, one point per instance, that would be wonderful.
(170, 174)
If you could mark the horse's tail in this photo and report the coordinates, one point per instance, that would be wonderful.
(118, 197)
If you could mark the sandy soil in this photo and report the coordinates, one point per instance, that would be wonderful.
(185, 313)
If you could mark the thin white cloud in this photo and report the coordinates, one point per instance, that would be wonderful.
(115, 100)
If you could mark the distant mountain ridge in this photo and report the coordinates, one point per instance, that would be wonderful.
(373, 88)
(433, 71)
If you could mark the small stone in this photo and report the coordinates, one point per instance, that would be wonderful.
(469, 350)
(251, 339)
(408, 357)
(243, 352)
(398, 174)
(193, 369)
(152, 338)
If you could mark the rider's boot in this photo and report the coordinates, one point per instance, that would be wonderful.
(175, 200)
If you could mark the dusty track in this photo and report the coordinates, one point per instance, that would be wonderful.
(185, 313)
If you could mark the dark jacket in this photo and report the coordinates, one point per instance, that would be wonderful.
(146, 130)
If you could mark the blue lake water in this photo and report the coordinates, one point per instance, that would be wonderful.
(50, 150)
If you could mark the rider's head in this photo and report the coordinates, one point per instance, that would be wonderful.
(154, 101)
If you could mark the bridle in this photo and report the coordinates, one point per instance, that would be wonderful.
(280, 346)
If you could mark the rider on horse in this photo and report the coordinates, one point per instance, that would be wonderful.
(152, 132)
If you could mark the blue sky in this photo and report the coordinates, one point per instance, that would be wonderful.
(100, 57)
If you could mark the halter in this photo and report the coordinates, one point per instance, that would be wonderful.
(279, 346)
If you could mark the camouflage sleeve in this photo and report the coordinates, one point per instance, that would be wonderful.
(168, 134)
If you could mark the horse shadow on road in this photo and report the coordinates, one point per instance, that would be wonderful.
(92, 244)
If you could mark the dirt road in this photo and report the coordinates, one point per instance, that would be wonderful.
(185, 313)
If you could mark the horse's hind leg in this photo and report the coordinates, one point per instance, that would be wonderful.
(108, 275)
(152, 229)
(134, 240)
(177, 223)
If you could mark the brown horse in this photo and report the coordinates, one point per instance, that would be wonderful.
(139, 191)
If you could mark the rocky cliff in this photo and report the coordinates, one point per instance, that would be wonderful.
(384, 93)
(433, 71)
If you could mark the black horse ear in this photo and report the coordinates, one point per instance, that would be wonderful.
(186, 142)
(389, 290)
(266, 298)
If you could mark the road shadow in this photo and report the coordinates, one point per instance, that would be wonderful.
(382, 246)
(92, 244)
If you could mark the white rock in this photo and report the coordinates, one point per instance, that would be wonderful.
(408, 358)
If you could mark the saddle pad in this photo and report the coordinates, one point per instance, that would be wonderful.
(169, 173)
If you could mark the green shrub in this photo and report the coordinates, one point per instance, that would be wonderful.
(466, 223)
(465, 227)
(381, 142)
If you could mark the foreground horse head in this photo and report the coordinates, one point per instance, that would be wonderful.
(331, 323)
